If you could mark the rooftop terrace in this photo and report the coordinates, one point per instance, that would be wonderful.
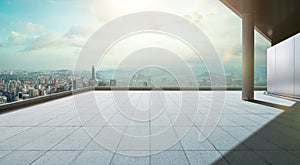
(264, 131)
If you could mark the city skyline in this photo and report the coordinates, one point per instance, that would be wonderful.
(22, 85)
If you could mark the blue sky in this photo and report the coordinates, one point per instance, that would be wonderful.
(49, 34)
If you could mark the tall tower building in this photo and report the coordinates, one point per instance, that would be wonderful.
(113, 82)
(31, 93)
(74, 84)
(46, 81)
(55, 83)
(93, 72)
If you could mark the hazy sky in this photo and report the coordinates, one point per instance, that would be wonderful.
(49, 34)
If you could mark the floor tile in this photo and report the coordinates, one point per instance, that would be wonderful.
(57, 157)
(93, 157)
(203, 157)
(169, 157)
(21, 157)
(122, 159)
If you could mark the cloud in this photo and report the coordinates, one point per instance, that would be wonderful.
(33, 27)
(74, 38)
(16, 38)
(195, 17)
(44, 41)
(82, 32)
(230, 53)
(52, 50)
(16, 35)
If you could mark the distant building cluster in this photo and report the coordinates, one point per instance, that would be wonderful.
(22, 85)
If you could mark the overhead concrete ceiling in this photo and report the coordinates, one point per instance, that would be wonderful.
(276, 20)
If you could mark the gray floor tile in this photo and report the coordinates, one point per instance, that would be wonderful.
(57, 157)
(279, 157)
(3, 153)
(95, 146)
(59, 120)
(74, 122)
(109, 138)
(7, 132)
(49, 140)
(169, 157)
(192, 141)
(256, 142)
(21, 157)
(77, 140)
(138, 131)
(94, 157)
(224, 141)
(203, 157)
(23, 138)
(163, 140)
(134, 143)
(176, 147)
(122, 159)
(240, 133)
(295, 153)
(96, 121)
(244, 157)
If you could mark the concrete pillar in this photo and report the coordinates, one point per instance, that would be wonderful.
(248, 57)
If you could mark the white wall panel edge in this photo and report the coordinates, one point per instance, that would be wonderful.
(297, 64)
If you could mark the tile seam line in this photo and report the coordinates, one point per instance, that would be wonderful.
(73, 160)
(46, 151)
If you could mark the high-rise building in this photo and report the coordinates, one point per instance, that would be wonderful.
(8, 96)
(55, 83)
(113, 82)
(52, 90)
(31, 90)
(93, 72)
(46, 81)
(25, 96)
(20, 94)
(13, 96)
(74, 84)
(3, 99)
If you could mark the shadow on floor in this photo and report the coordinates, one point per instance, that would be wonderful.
(278, 142)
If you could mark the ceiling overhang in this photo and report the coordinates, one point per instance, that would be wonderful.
(276, 20)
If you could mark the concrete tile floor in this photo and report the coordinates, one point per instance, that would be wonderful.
(262, 132)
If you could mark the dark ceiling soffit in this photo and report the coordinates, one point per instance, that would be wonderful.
(237, 12)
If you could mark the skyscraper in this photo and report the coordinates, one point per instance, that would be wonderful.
(31, 93)
(113, 82)
(74, 84)
(55, 83)
(46, 81)
(93, 72)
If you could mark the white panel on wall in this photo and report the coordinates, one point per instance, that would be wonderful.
(271, 79)
(297, 64)
(285, 67)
